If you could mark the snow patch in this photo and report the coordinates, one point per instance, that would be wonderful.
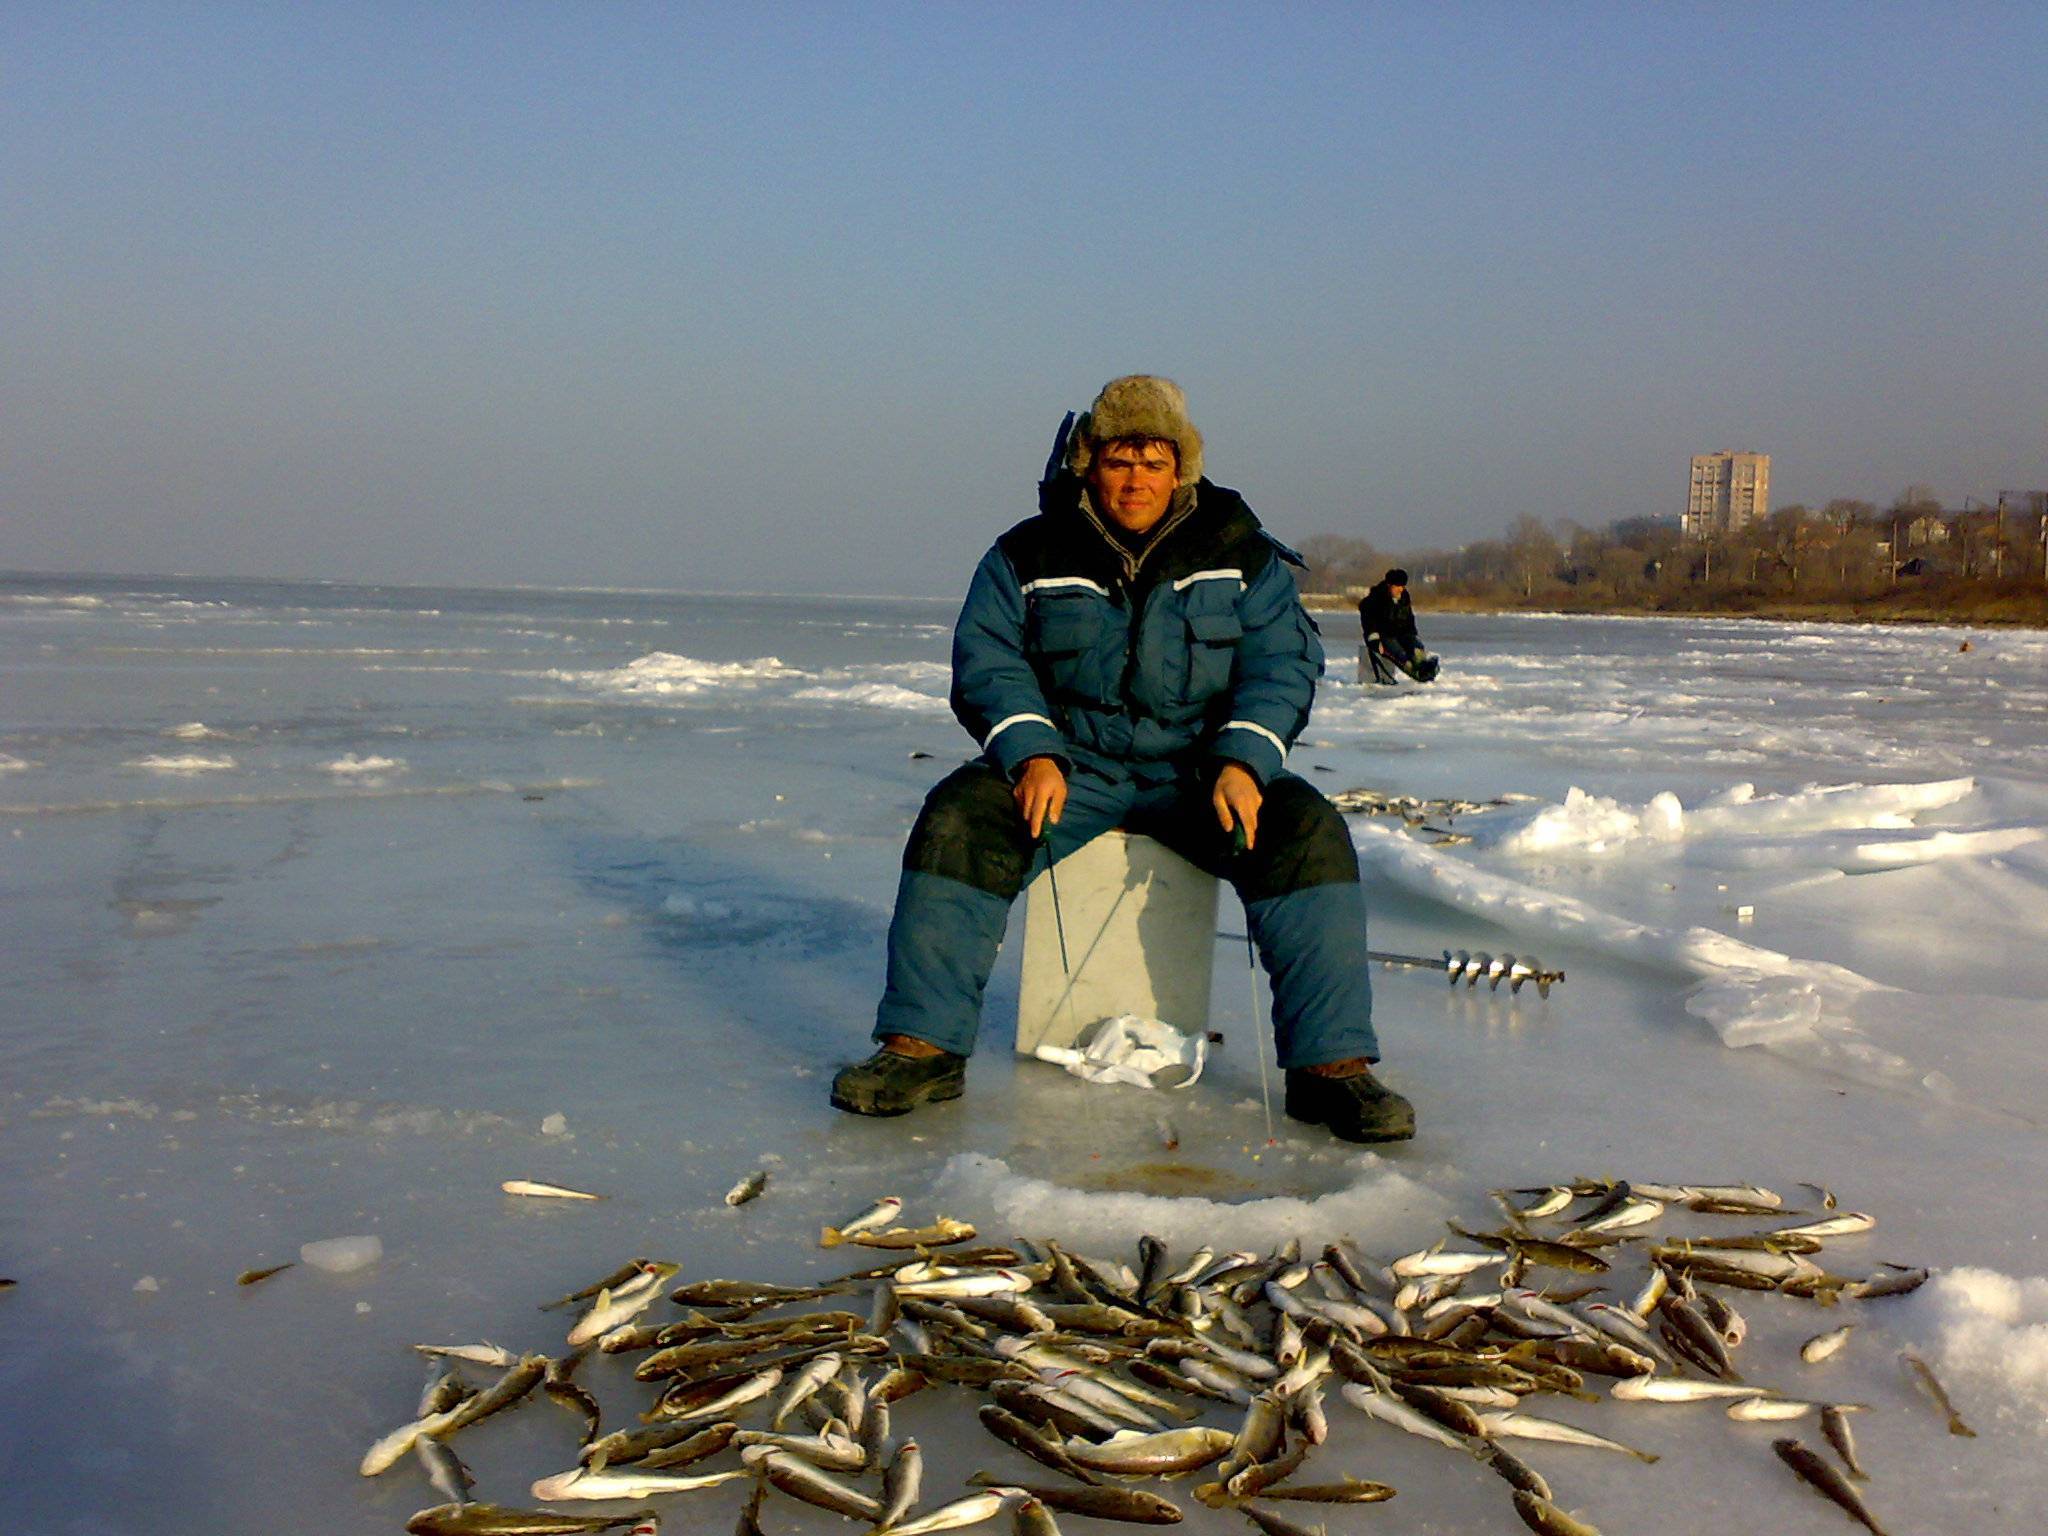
(1382, 1209)
(872, 695)
(1748, 994)
(1989, 1334)
(9, 763)
(193, 730)
(348, 763)
(662, 674)
(1594, 824)
(190, 762)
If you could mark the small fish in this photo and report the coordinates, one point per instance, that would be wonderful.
(498, 1520)
(1722, 1317)
(1546, 1519)
(1046, 1450)
(1678, 1389)
(1841, 1224)
(1389, 1409)
(247, 1276)
(1162, 1454)
(616, 1278)
(1896, 1282)
(748, 1188)
(626, 1483)
(519, 1380)
(1517, 1472)
(1528, 1426)
(1924, 1374)
(943, 1233)
(612, 1308)
(802, 1481)
(1769, 1409)
(1824, 1345)
(750, 1512)
(1353, 1490)
(987, 1282)
(1820, 1474)
(1273, 1523)
(1134, 1506)
(1835, 1425)
(901, 1482)
(541, 1191)
(485, 1353)
(969, 1510)
(883, 1211)
(808, 1380)
(560, 1390)
(451, 1479)
(1630, 1213)
(1435, 1261)
(680, 1403)
(666, 1445)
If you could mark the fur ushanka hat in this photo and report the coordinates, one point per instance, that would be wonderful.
(1140, 405)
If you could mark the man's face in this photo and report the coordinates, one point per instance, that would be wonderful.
(1396, 589)
(1132, 483)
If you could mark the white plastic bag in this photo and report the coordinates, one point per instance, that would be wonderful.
(1128, 1049)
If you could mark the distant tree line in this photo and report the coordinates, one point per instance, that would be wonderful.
(1847, 559)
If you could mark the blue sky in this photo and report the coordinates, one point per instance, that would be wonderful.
(793, 296)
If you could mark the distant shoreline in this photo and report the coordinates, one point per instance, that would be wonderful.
(1905, 609)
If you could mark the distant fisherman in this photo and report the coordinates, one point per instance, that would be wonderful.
(1387, 619)
(1137, 656)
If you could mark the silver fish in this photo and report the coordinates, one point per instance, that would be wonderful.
(1824, 1345)
(539, 1191)
(498, 1520)
(1528, 1426)
(1389, 1409)
(451, 1479)
(748, 1188)
(901, 1482)
(485, 1353)
(630, 1482)
(1835, 1425)
(970, 1510)
(1546, 1519)
(1820, 1474)
(1924, 1374)
(801, 1480)
(880, 1214)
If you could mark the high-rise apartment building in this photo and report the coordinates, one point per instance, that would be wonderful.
(1729, 491)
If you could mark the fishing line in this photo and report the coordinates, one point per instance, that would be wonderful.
(1059, 925)
(1259, 1030)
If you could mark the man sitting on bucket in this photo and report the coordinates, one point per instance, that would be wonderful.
(1136, 656)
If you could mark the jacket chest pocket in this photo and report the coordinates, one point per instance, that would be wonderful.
(1212, 652)
(1064, 640)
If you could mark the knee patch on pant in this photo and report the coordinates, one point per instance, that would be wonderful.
(970, 831)
(1302, 842)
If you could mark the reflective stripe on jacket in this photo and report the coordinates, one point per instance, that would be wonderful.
(1198, 647)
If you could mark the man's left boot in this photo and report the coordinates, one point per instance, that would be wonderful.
(1355, 1106)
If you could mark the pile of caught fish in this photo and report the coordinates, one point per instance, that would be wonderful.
(1230, 1367)
(1418, 811)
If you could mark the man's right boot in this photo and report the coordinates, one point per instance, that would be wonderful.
(889, 1083)
(1355, 1107)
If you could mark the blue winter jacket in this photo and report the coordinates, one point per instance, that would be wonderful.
(1195, 650)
